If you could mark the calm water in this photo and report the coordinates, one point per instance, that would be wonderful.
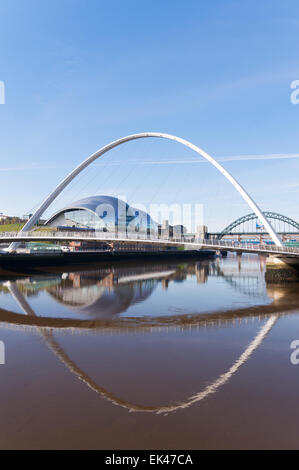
(189, 355)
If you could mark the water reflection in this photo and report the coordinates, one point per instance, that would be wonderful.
(163, 409)
(100, 298)
(112, 291)
(121, 294)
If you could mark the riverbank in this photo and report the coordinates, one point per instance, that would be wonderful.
(280, 270)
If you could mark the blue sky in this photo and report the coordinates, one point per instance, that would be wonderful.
(79, 74)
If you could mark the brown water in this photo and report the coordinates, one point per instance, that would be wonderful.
(194, 355)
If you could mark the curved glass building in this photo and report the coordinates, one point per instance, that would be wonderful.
(103, 214)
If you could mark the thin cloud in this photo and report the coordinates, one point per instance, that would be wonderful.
(236, 158)
(30, 167)
(276, 156)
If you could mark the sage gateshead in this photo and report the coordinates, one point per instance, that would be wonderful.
(103, 214)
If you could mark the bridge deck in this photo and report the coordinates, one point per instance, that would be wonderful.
(138, 240)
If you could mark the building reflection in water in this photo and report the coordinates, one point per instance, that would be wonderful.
(110, 291)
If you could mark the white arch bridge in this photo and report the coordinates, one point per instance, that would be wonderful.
(138, 243)
(26, 235)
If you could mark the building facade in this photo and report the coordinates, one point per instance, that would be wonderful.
(103, 214)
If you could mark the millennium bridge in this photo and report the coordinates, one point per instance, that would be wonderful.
(138, 243)
(278, 249)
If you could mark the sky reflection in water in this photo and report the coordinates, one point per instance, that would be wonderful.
(134, 356)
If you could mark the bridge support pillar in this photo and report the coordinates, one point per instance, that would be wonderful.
(282, 269)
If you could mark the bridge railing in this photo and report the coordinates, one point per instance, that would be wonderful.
(251, 246)
(110, 236)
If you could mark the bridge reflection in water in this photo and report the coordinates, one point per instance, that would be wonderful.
(103, 300)
(112, 290)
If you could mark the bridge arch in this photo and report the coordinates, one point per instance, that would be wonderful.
(52, 196)
(253, 216)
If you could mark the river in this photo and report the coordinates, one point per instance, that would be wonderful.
(152, 355)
